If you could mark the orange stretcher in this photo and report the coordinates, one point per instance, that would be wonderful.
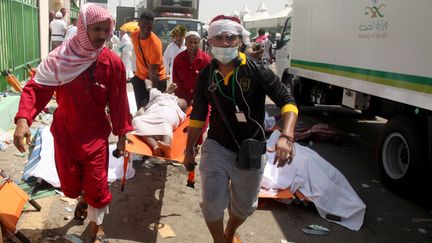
(297, 196)
(137, 146)
(12, 202)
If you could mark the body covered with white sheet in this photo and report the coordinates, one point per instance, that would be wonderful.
(319, 181)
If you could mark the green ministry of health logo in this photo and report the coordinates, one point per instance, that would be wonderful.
(375, 10)
(374, 24)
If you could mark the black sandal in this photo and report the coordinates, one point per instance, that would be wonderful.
(81, 211)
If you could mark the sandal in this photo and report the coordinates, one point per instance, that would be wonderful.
(100, 239)
(81, 210)
(99, 236)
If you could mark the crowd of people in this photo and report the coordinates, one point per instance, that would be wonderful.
(90, 79)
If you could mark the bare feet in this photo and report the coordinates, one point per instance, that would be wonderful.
(157, 151)
(98, 235)
(166, 149)
(233, 238)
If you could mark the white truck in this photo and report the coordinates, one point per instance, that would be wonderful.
(370, 55)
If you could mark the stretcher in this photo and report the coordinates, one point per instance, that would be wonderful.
(137, 146)
(297, 196)
(12, 202)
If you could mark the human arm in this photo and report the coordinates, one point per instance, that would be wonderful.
(176, 78)
(34, 98)
(289, 112)
(197, 121)
(285, 145)
(189, 159)
(153, 73)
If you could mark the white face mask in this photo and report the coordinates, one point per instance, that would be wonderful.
(224, 54)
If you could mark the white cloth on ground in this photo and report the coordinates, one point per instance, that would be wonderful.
(162, 115)
(45, 168)
(319, 181)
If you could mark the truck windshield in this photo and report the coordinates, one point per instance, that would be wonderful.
(163, 27)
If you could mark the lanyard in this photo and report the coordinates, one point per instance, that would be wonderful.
(232, 88)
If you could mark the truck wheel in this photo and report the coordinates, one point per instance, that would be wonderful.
(399, 154)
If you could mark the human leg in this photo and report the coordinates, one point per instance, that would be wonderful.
(68, 169)
(244, 190)
(95, 184)
(140, 91)
(96, 216)
(153, 144)
(214, 182)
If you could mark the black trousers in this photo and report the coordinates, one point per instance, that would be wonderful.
(141, 93)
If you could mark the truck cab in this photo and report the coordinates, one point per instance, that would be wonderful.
(163, 25)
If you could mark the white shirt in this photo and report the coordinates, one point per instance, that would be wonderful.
(71, 32)
(170, 53)
(125, 50)
(115, 44)
(267, 45)
(58, 29)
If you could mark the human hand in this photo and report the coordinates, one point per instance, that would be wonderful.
(121, 147)
(171, 88)
(22, 131)
(284, 151)
(148, 84)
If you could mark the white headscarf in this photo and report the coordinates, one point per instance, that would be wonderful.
(192, 33)
(228, 26)
(72, 57)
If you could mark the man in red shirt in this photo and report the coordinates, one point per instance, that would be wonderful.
(187, 65)
(87, 77)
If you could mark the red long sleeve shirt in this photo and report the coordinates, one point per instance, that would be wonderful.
(80, 118)
(185, 73)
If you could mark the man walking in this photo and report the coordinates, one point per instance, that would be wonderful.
(58, 29)
(240, 86)
(87, 77)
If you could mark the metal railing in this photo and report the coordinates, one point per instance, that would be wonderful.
(19, 37)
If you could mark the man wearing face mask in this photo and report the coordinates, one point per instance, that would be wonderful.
(86, 77)
(240, 86)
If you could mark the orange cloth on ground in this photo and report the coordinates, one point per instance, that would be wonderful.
(152, 51)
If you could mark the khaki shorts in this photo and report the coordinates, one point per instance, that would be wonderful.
(224, 185)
